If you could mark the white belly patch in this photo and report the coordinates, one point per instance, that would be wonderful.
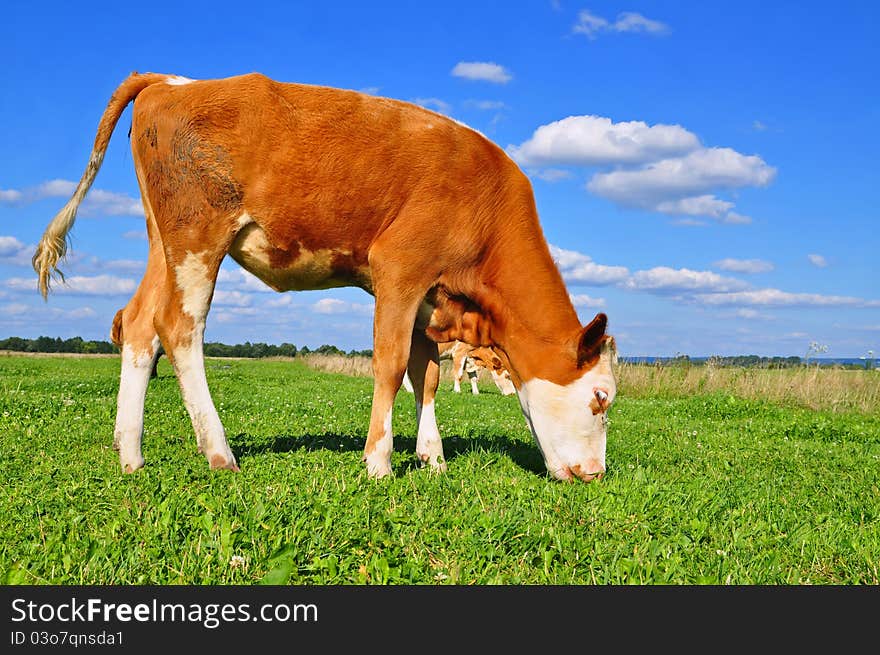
(299, 270)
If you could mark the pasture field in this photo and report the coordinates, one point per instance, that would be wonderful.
(703, 487)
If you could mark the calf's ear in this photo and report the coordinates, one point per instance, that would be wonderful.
(591, 339)
(609, 350)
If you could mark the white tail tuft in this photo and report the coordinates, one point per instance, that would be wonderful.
(53, 245)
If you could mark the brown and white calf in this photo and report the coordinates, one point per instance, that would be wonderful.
(309, 187)
(470, 359)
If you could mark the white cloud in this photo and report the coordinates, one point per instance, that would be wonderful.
(705, 205)
(436, 104)
(778, 298)
(666, 279)
(591, 25)
(336, 306)
(817, 260)
(597, 141)
(20, 313)
(583, 300)
(81, 312)
(239, 279)
(13, 251)
(10, 196)
(681, 177)
(21, 284)
(98, 285)
(97, 201)
(128, 265)
(235, 314)
(700, 287)
(747, 312)
(15, 309)
(234, 298)
(83, 263)
(552, 174)
(136, 235)
(281, 300)
(485, 105)
(689, 222)
(662, 168)
(54, 189)
(743, 265)
(109, 203)
(630, 21)
(482, 70)
(758, 126)
(734, 218)
(679, 185)
(577, 268)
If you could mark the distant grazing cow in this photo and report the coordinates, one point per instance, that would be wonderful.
(309, 187)
(469, 359)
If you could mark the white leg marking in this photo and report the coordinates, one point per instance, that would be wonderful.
(133, 380)
(429, 447)
(211, 438)
(196, 286)
(379, 461)
(474, 389)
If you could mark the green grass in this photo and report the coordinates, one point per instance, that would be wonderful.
(700, 489)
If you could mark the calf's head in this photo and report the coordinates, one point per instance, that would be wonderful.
(568, 419)
(487, 358)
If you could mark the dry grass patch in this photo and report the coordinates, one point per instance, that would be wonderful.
(363, 367)
(826, 388)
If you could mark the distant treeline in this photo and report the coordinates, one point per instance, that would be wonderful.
(745, 361)
(57, 345)
(258, 350)
(742, 361)
(212, 349)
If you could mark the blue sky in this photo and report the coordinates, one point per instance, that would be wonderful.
(705, 172)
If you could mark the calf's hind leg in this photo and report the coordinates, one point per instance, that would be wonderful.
(180, 323)
(134, 334)
(138, 355)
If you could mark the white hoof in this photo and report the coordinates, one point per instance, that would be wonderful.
(430, 453)
(378, 466)
(222, 458)
(131, 462)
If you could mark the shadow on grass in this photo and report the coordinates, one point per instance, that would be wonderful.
(524, 455)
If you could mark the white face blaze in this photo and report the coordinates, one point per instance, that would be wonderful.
(570, 435)
(502, 381)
